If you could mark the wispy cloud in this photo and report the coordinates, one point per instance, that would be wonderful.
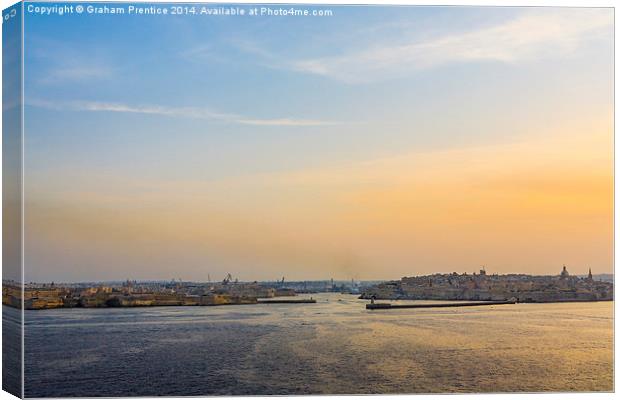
(204, 53)
(75, 73)
(531, 35)
(61, 63)
(179, 112)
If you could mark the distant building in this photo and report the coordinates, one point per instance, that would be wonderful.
(525, 288)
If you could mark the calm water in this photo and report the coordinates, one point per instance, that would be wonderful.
(334, 346)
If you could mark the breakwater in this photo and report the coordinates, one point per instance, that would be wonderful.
(287, 301)
(387, 306)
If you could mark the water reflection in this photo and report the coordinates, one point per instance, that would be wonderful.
(333, 346)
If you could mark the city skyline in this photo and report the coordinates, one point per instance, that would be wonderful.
(219, 279)
(372, 144)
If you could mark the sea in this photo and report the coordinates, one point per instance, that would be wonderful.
(335, 346)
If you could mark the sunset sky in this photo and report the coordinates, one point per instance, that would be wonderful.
(377, 143)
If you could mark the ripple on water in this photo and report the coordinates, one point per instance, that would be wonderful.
(328, 347)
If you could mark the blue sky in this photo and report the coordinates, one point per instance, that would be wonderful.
(190, 100)
(243, 69)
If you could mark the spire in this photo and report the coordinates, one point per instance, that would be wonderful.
(589, 274)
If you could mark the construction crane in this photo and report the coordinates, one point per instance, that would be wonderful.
(227, 280)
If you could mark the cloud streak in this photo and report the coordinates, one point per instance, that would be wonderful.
(201, 113)
(62, 75)
(529, 36)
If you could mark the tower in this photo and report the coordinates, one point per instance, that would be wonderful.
(564, 273)
(590, 274)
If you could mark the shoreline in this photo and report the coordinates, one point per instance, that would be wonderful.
(388, 306)
(142, 305)
(368, 306)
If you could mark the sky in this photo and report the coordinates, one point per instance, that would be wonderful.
(377, 143)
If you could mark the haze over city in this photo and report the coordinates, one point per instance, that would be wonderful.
(367, 145)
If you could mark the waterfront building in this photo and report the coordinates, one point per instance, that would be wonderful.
(528, 288)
